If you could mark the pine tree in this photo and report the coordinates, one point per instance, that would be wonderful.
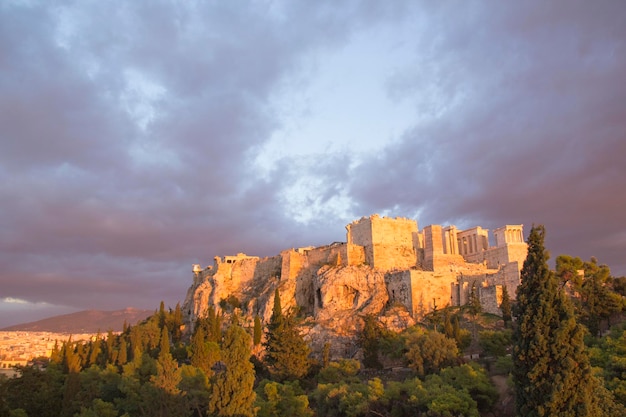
(233, 393)
(287, 354)
(203, 354)
(505, 306)
(551, 371)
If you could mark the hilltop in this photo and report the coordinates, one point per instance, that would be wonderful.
(86, 321)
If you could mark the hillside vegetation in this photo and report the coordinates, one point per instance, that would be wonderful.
(457, 362)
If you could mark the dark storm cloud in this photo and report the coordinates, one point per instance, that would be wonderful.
(531, 127)
(129, 135)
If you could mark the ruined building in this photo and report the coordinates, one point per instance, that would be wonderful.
(384, 262)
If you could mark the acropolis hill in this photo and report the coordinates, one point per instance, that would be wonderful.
(387, 267)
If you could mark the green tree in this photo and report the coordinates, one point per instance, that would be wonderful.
(164, 344)
(162, 395)
(282, 400)
(174, 323)
(211, 324)
(96, 350)
(37, 392)
(326, 355)
(162, 316)
(233, 393)
(495, 343)
(551, 373)
(369, 340)
(505, 306)
(258, 330)
(428, 351)
(599, 301)
(474, 307)
(472, 378)
(448, 327)
(195, 385)
(98, 408)
(203, 354)
(122, 357)
(287, 354)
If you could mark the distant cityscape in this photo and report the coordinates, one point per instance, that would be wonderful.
(20, 348)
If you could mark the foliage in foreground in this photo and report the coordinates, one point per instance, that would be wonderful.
(148, 370)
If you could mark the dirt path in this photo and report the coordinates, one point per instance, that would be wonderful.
(505, 407)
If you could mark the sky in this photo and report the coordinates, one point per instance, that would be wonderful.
(139, 138)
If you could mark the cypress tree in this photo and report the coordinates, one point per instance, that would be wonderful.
(369, 339)
(287, 354)
(474, 307)
(96, 349)
(164, 344)
(233, 393)
(448, 328)
(551, 370)
(258, 330)
(162, 314)
(175, 323)
(505, 306)
(122, 357)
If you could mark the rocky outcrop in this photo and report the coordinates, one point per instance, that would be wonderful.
(386, 267)
(332, 299)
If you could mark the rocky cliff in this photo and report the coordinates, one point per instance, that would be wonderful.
(386, 267)
(332, 299)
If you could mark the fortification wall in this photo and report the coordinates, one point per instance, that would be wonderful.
(359, 232)
(326, 255)
(420, 291)
(389, 257)
(292, 263)
(444, 263)
(397, 231)
(388, 243)
(490, 298)
(516, 252)
(511, 277)
(451, 262)
(355, 255)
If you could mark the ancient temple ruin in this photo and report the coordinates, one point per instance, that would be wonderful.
(423, 269)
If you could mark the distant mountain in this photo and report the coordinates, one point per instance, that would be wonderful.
(87, 321)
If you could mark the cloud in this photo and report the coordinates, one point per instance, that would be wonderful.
(140, 139)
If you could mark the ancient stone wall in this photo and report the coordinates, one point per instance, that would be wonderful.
(420, 291)
(388, 243)
(397, 231)
(326, 255)
(359, 232)
(292, 262)
(490, 298)
(355, 255)
(384, 258)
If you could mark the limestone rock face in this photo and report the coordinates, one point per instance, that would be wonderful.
(333, 299)
(354, 290)
(386, 267)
